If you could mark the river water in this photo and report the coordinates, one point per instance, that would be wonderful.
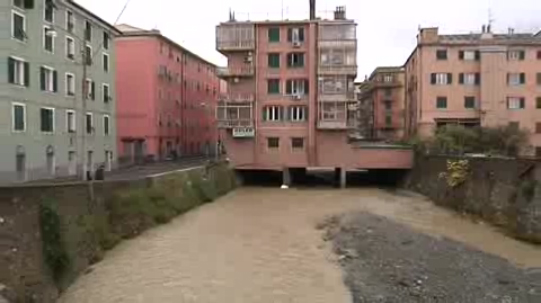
(261, 245)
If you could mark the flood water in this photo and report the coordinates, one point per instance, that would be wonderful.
(260, 244)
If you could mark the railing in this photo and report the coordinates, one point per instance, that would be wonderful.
(337, 96)
(332, 124)
(239, 97)
(232, 45)
(231, 123)
(235, 71)
(338, 69)
(337, 43)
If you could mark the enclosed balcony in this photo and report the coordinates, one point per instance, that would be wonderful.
(234, 115)
(332, 116)
(237, 97)
(337, 61)
(336, 88)
(235, 72)
(233, 36)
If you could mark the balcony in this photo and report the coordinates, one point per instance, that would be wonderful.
(235, 37)
(228, 72)
(337, 70)
(332, 125)
(387, 84)
(237, 97)
(237, 123)
(234, 115)
(347, 96)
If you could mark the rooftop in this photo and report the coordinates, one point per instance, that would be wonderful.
(86, 11)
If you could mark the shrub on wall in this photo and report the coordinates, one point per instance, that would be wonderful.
(54, 250)
(457, 172)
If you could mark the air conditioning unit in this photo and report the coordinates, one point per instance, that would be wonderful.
(296, 44)
(297, 97)
(236, 80)
(249, 58)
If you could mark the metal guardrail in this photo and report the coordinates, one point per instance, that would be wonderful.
(235, 71)
(238, 97)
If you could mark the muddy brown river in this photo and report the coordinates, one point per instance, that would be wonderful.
(261, 245)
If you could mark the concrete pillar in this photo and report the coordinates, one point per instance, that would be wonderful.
(286, 176)
(343, 177)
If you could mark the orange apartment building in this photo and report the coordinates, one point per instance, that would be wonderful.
(290, 100)
(382, 103)
(476, 79)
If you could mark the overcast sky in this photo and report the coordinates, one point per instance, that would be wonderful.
(386, 28)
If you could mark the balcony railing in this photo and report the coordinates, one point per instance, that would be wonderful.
(337, 43)
(332, 124)
(237, 97)
(232, 123)
(235, 45)
(243, 71)
(337, 96)
(337, 70)
(235, 37)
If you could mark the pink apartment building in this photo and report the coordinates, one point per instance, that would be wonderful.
(290, 100)
(166, 98)
(482, 79)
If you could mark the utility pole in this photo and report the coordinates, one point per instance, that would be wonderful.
(84, 91)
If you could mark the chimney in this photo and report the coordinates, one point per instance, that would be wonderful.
(312, 9)
(340, 13)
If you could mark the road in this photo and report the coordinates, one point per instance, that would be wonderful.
(263, 245)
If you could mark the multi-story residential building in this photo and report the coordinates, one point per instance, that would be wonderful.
(166, 97)
(477, 79)
(382, 103)
(57, 90)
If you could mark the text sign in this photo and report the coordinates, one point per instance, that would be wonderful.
(243, 132)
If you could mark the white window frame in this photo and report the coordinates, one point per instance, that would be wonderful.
(91, 53)
(45, 28)
(297, 114)
(513, 103)
(273, 113)
(72, 19)
(108, 118)
(45, 13)
(103, 86)
(513, 55)
(469, 55)
(88, 88)
(68, 112)
(68, 48)
(13, 104)
(91, 31)
(19, 71)
(513, 76)
(14, 12)
(469, 76)
(442, 78)
(92, 124)
(297, 87)
(108, 40)
(103, 56)
(66, 84)
(52, 123)
(388, 78)
(49, 85)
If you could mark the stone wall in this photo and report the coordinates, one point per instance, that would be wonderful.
(49, 234)
(506, 193)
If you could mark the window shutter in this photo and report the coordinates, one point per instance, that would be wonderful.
(508, 78)
(55, 81)
(477, 79)
(449, 78)
(27, 74)
(306, 87)
(301, 59)
(461, 78)
(522, 78)
(93, 90)
(42, 78)
(289, 34)
(265, 118)
(301, 34)
(507, 101)
(433, 78)
(286, 113)
(461, 55)
(289, 88)
(11, 70)
(522, 103)
(522, 55)
(477, 55)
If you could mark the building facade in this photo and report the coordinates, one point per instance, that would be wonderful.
(57, 90)
(382, 99)
(166, 98)
(484, 79)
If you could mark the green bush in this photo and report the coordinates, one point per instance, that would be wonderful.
(54, 250)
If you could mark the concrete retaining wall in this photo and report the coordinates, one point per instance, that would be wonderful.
(506, 193)
(49, 234)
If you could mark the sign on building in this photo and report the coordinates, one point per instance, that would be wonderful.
(243, 132)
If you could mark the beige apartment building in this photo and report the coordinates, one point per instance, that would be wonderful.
(476, 79)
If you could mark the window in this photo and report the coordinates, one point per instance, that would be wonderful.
(88, 31)
(539, 55)
(106, 40)
(469, 78)
(388, 78)
(70, 22)
(388, 120)
(18, 117)
(49, 11)
(538, 102)
(90, 89)
(441, 78)
(538, 79)
(70, 121)
(106, 62)
(297, 113)
(274, 60)
(295, 35)
(469, 102)
(272, 113)
(441, 54)
(70, 84)
(515, 55)
(106, 93)
(88, 55)
(469, 55)
(48, 39)
(89, 123)
(18, 26)
(18, 71)
(47, 120)
(514, 79)
(515, 103)
(388, 92)
(273, 86)
(106, 125)
(297, 143)
(274, 34)
(441, 102)
(273, 142)
(70, 48)
(295, 60)
(48, 79)
(297, 87)
(388, 105)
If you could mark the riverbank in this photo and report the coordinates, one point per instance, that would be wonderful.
(384, 261)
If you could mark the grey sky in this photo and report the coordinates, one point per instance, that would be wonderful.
(386, 29)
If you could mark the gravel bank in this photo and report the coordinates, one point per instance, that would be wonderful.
(388, 262)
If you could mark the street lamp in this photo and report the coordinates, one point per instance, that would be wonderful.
(217, 146)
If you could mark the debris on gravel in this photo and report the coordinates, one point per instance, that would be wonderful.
(388, 262)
